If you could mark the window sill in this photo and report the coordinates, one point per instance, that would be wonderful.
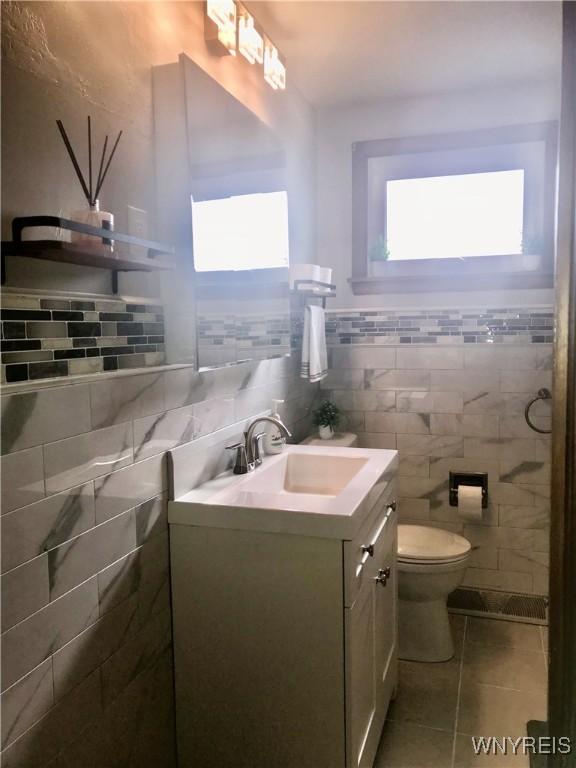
(479, 274)
(364, 286)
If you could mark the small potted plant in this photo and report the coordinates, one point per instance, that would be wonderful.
(378, 254)
(326, 418)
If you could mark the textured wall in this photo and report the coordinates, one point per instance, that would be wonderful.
(447, 388)
(68, 60)
(86, 644)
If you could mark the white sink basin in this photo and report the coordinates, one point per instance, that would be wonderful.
(305, 489)
(322, 475)
(325, 475)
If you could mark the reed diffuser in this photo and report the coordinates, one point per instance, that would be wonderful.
(92, 215)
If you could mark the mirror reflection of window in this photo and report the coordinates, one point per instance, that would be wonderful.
(241, 232)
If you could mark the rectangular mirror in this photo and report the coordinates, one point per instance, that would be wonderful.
(239, 213)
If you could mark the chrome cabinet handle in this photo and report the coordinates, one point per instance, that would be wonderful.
(383, 576)
(368, 549)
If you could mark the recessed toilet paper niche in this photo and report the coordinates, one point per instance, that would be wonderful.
(468, 479)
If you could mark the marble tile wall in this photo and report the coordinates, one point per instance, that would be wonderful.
(460, 406)
(44, 337)
(86, 636)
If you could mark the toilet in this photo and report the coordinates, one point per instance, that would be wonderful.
(431, 564)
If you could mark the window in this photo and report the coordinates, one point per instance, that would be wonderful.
(474, 214)
(241, 232)
(463, 209)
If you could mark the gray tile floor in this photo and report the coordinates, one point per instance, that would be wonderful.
(495, 683)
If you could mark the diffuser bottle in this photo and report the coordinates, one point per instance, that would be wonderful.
(94, 217)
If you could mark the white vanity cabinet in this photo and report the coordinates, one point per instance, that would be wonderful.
(285, 644)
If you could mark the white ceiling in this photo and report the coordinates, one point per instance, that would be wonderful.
(359, 52)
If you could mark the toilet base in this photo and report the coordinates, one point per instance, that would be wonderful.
(424, 632)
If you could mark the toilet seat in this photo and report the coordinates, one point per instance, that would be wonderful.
(423, 545)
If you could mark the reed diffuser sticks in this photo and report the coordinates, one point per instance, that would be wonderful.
(90, 191)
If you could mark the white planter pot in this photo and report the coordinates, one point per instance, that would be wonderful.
(326, 433)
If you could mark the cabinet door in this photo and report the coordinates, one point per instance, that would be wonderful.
(371, 650)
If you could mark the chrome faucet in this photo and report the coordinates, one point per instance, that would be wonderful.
(248, 454)
(253, 441)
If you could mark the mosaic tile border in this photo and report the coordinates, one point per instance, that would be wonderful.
(53, 337)
(451, 326)
(244, 330)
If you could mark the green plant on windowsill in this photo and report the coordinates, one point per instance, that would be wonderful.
(326, 418)
(379, 250)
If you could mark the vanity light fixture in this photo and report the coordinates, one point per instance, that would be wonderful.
(220, 27)
(274, 69)
(250, 41)
(229, 27)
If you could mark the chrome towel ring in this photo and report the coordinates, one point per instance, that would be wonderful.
(543, 394)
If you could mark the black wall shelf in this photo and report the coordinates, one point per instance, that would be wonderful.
(98, 255)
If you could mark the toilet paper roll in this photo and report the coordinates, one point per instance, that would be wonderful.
(470, 502)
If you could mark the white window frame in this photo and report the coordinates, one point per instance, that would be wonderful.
(509, 148)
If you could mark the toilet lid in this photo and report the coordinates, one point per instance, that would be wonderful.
(420, 543)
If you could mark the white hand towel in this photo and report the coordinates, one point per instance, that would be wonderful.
(314, 357)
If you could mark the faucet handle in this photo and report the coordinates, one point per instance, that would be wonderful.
(257, 448)
(240, 461)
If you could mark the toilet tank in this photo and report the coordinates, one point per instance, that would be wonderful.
(340, 440)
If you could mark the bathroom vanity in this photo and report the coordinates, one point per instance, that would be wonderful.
(285, 616)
